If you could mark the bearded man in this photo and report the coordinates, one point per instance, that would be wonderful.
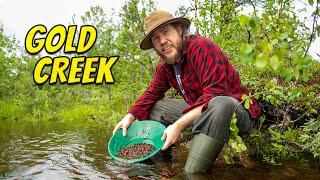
(210, 86)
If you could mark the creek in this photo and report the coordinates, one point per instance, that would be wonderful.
(78, 150)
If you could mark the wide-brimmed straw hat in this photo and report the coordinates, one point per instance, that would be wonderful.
(155, 20)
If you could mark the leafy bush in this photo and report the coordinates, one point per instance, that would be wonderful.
(10, 110)
(310, 139)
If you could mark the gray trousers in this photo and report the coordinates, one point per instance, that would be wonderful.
(214, 121)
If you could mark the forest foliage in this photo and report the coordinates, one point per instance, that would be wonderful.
(265, 40)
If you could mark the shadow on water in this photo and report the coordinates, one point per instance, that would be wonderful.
(63, 150)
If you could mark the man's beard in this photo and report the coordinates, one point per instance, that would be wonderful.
(174, 58)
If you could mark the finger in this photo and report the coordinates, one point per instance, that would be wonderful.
(166, 145)
(116, 128)
(124, 131)
(164, 136)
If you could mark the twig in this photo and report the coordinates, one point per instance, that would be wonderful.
(285, 119)
(254, 7)
(299, 117)
(277, 120)
(249, 35)
(312, 35)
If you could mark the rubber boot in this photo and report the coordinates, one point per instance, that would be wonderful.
(203, 153)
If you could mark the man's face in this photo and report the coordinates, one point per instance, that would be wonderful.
(167, 42)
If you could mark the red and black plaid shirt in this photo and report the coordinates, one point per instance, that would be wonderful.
(205, 72)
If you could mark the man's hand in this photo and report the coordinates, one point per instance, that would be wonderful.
(124, 124)
(171, 135)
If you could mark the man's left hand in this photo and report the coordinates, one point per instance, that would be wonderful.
(171, 135)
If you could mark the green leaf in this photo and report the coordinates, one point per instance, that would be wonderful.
(233, 124)
(274, 62)
(262, 119)
(247, 103)
(226, 158)
(233, 127)
(266, 46)
(312, 110)
(296, 73)
(246, 48)
(265, 16)
(244, 20)
(284, 36)
(263, 43)
(310, 2)
(288, 74)
(234, 115)
(247, 58)
(318, 30)
(281, 53)
(239, 139)
(254, 22)
(234, 145)
(243, 147)
(244, 97)
(275, 41)
(261, 60)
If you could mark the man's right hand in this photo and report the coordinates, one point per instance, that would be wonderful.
(124, 124)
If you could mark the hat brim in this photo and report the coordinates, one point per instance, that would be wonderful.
(146, 42)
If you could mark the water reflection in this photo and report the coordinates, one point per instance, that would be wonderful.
(64, 150)
(53, 150)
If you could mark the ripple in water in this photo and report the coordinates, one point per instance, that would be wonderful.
(57, 150)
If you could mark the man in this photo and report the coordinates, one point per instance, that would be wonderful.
(210, 86)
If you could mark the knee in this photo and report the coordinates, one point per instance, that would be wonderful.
(157, 112)
(222, 105)
(221, 109)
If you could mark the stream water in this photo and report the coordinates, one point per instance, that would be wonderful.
(78, 150)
